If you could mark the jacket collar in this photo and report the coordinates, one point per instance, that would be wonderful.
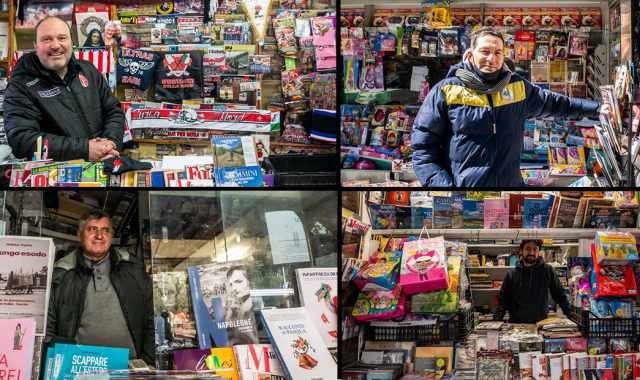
(75, 259)
(31, 66)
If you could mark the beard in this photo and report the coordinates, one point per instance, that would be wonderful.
(530, 259)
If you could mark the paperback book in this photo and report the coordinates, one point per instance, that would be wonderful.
(318, 289)
(299, 346)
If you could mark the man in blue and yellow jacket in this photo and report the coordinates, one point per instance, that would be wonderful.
(469, 130)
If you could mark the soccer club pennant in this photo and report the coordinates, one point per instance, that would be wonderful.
(258, 12)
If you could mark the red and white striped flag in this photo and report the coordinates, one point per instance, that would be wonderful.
(102, 59)
(14, 59)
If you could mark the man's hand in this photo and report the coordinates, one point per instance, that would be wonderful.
(101, 149)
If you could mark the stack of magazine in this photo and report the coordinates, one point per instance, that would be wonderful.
(611, 136)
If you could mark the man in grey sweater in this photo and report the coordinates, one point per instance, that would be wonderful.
(101, 295)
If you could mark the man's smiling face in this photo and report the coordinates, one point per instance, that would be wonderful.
(53, 45)
(96, 238)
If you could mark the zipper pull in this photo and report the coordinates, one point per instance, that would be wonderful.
(68, 88)
(494, 128)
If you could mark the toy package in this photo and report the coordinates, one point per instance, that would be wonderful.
(597, 346)
(567, 160)
(379, 305)
(448, 42)
(613, 308)
(612, 280)
(423, 267)
(442, 301)
(380, 275)
(615, 247)
(429, 45)
(578, 43)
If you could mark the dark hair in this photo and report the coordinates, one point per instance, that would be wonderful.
(482, 32)
(89, 44)
(35, 36)
(510, 64)
(535, 241)
(92, 215)
(236, 268)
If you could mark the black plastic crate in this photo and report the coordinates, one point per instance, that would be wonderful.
(593, 327)
(449, 328)
(303, 170)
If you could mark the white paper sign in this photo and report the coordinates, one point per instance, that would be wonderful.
(287, 237)
(418, 76)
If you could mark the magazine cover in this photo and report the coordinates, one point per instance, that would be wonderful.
(258, 361)
(318, 289)
(298, 344)
(222, 304)
(175, 326)
(26, 266)
(17, 339)
(234, 151)
(222, 359)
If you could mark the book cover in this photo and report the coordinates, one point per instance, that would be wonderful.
(473, 213)
(25, 278)
(383, 216)
(247, 176)
(566, 212)
(496, 213)
(318, 289)
(220, 294)
(421, 217)
(590, 203)
(442, 212)
(222, 360)
(71, 360)
(457, 211)
(535, 213)
(17, 339)
(234, 151)
(516, 204)
(604, 217)
(299, 346)
(258, 361)
(175, 326)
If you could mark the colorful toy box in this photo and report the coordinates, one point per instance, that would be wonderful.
(615, 248)
(378, 275)
(379, 305)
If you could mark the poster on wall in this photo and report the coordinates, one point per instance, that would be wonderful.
(91, 20)
(26, 266)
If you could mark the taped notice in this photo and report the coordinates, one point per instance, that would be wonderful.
(237, 121)
(287, 237)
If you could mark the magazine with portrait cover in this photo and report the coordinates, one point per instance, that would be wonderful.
(220, 293)
(174, 322)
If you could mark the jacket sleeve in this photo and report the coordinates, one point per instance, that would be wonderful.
(52, 311)
(504, 299)
(428, 139)
(113, 128)
(557, 292)
(149, 342)
(22, 126)
(544, 103)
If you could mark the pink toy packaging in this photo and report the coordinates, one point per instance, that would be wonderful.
(424, 266)
(379, 305)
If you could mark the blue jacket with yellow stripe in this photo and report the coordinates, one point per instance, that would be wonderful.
(464, 138)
